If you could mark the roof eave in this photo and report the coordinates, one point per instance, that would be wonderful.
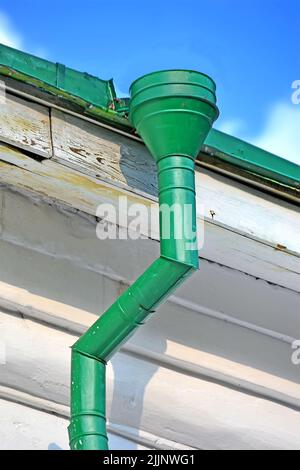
(50, 79)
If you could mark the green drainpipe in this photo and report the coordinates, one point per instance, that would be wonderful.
(173, 111)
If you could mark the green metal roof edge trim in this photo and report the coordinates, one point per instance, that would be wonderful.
(97, 98)
(80, 88)
(251, 158)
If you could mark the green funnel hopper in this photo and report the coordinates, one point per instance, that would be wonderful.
(173, 111)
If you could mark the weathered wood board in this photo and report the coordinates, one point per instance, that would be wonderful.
(221, 347)
(101, 153)
(275, 260)
(105, 155)
(25, 125)
(108, 156)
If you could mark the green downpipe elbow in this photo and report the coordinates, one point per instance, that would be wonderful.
(173, 112)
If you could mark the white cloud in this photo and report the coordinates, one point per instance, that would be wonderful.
(8, 35)
(231, 126)
(281, 134)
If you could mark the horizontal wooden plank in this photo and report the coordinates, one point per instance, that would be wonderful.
(25, 425)
(276, 261)
(74, 277)
(106, 155)
(186, 358)
(103, 154)
(23, 428)
(139, 394)
(25, 125)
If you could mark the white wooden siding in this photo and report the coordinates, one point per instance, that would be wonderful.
(269, 254)
(212, 369)
(220, 348)
(30, 427)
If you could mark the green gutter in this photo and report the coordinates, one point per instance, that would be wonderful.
(97, 98)
(173, 112)
(251, 158)
(91, 89)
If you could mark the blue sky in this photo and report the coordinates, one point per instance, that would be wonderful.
(250, 47)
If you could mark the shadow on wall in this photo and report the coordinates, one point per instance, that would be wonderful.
(127, 402)
(54, 446)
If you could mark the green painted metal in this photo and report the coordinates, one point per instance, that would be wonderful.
(174, 111)
(169, 106)
(88, 424)
(251, 158)
(173, 104)
(97, 99)
(131, 309)
(91, 89)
